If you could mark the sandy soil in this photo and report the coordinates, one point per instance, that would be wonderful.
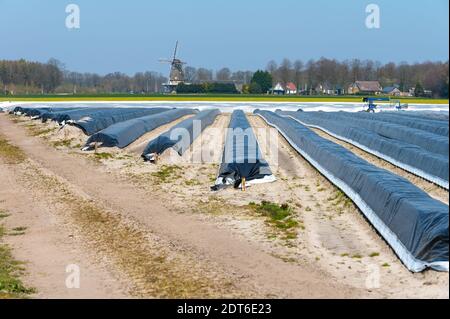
(48, 245)
(200, 259)
(213, 244)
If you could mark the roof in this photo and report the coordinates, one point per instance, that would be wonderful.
(291, 86)
(278, 87)
(390, 89)
(368, 86)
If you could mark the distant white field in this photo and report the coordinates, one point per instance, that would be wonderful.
(230, 106)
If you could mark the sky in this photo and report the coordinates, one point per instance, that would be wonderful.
(131, 36)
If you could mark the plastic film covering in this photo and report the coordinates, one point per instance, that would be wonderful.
(414, 224)
(71, 115)
(181, 136)
(37, 112)
(123, 134)
(428, 115)
(428, 141)
(241, 157)
(412, 158)
(432, 126)
(99, 120)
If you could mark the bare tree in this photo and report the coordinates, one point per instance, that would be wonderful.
(298, 74)
(190, 74)
(285, 71)
(204, 75)
(242, 77)
(272, 68)
(223, 74)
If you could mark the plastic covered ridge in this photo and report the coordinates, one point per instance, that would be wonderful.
(241, 157)
(181, 136)
(412, 158)
(414, 224)
(124, 133)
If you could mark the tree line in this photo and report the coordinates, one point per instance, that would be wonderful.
(428, 75)
(30, 77)
(25, 77)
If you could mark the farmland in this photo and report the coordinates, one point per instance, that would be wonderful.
(157, 230)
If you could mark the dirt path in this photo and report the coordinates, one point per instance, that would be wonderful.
(231, 266)
(48, 246)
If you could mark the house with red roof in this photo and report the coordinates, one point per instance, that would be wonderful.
(291, 88)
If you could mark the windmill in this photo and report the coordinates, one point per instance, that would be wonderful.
(176, 75)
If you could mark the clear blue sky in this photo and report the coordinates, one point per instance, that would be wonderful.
(131, 36)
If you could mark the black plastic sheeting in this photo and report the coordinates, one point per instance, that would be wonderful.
(99, 120)
(428, 141)
(123, 134)
(414, 224)
(431, 166)
(37, 112)
(432, 126)
(181, 136)
(241, 156)
(428, 115)
(71, 115)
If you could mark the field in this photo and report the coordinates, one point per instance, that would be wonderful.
(156, 230)
(206, 98)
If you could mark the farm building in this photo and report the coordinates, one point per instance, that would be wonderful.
(392, 90)
(367, 87)
(324, 88)
(278, 89)
(291, 88)
(327, 89)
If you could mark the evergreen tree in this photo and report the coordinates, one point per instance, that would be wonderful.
(263, 79)
(419, 91)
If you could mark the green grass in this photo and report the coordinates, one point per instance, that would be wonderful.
(3, 214)
(17, 231)
(278, 216)
(35, 131)
(63, 143)
(192, 182)
(204, 97)
(374, 254)
(103, 155)
(9, 153)
(166, 172)
(11, 287)
(340, 199)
